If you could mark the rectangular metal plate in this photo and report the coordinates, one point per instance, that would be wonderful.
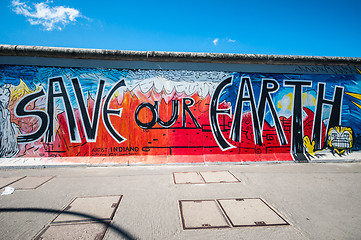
(250, 212)
(31, 182)
(5, 181)
(187, 177)
(197, 214)
(218, 177)
(99, 208)
(74, 231)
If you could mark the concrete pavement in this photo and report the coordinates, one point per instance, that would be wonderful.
(318, 200)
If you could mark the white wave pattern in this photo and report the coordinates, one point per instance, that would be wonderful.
(187, 82)
(159, 84)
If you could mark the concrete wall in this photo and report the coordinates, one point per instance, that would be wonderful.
(60, 105)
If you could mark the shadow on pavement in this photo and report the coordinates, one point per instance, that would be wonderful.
(121, 232)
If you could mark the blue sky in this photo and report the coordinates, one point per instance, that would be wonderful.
(307, 27)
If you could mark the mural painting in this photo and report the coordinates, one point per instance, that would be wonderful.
(204, 115)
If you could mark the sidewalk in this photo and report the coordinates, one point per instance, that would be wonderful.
(317, 200)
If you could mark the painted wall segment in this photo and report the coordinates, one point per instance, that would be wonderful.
(235, 116)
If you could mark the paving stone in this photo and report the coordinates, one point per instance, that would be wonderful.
(74, 231)
(218, 177)
(100, 207)
(5, 181)
(202, 214)
(187, 177)
(250, 212)
(30, 182)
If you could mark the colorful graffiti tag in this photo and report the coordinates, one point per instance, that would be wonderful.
(226, 116)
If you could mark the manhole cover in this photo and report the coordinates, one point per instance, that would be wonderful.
(250, 212)
(197, 214)
(218, 177)
(187, 177)
(30, 182)
(99, 208)
(74, 231)
(5, 181)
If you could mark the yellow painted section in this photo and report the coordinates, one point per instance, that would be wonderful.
(355, 95)
(358, 70)
(358, 105)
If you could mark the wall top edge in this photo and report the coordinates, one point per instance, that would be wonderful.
(156, 56)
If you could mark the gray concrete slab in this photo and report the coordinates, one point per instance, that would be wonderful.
(31, 182)
(5, 181)
(202, 214)
(100, 207)
(250, 212)
(319, 200)
(88, 231)
(187, 177)
(218, 177)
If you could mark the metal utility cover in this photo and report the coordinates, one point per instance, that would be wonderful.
(218, 177)
(98, 208)
(31, 182)
(202, 214)
(5, 181)
(250, 212)
(74, 231)
(187, 177)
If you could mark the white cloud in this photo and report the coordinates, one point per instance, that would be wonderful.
(51, 18)
(215, 41)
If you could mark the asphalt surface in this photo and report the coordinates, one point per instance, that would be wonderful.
(318, 200)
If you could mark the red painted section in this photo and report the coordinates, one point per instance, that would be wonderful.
(175, 144)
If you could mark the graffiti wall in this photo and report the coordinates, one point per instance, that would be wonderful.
(186, 116)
